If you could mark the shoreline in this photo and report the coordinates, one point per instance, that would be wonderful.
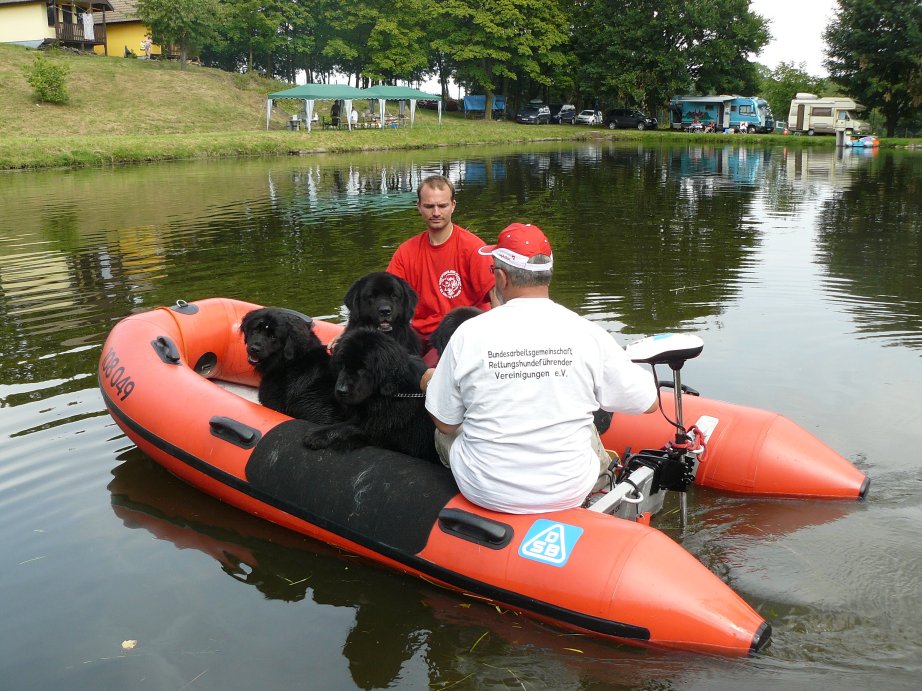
(42, 153)
(137, 111)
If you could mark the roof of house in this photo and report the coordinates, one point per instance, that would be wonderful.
(122, 11)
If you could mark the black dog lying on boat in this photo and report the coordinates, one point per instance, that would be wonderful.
(385, 302)
(378, 384)
(297, 375)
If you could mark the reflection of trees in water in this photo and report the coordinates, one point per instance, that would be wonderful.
(646, 235)
(870, 236)
(634, 227)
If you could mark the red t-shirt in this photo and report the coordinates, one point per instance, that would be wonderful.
(444, 276)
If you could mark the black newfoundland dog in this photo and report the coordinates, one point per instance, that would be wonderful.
(378, 383)
(297, 375)
(385, 302)
(450, 322)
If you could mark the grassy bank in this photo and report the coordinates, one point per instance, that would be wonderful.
(126, 111)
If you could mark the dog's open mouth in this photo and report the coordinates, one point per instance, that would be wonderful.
(385, 326)
(253, 360)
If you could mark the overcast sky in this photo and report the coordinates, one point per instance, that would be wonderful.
(797, 27)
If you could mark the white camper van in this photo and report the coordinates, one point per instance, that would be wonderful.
(812, 114)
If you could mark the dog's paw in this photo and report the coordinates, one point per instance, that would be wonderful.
(317, 440)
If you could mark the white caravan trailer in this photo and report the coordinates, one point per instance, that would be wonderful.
(812, 114)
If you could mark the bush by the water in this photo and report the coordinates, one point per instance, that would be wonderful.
(48, 79)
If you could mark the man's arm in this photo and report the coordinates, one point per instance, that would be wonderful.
(444, 427)
(424, 380)
(395, 266)
(444, 391)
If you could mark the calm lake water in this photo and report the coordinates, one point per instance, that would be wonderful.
(801, 270)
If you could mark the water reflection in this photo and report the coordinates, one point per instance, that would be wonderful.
(870, 240)
(650, 239)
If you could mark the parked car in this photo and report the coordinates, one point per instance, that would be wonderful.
(534, 114)
(565, 114)
(588, 117)
(629, 117)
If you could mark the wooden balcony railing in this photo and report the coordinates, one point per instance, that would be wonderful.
(73, 34)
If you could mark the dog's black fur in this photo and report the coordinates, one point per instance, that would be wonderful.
(373, 369)
(385, 302)
(450, 322)
(297, 374)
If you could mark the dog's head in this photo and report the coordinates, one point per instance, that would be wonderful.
(368, 363)
(273, 334)
(449, 324)
(381, 300)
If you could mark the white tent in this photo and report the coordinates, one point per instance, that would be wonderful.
(343, 92)
(317, 92)
(401, 93)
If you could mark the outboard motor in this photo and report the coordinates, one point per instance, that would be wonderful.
(641, 479)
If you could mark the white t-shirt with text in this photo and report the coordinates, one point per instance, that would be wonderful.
(525, 378)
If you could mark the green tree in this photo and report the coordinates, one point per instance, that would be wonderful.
(253, 27)
(644, 51)
(725, 33)
(781, 85)
(186, 24)
(874, 50)
(494, 40)
(397, 42)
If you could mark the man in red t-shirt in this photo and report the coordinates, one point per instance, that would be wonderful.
(442, 264)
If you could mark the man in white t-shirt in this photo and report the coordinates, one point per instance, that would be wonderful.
(524, 379)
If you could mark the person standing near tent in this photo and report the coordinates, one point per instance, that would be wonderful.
(334, 114)
(442, 264)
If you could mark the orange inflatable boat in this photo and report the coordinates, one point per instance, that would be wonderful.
(177, 382)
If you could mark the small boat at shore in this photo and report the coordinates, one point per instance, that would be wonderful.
(868, 142)
(177, 382)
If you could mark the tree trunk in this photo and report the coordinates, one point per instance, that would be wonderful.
(891, 118)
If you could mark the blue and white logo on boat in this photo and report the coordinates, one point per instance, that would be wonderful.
(550, 542)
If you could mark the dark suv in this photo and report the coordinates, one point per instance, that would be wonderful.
(534, 114)
(629, 117)
(563, 114)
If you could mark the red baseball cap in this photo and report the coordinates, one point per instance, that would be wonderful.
(519, 242)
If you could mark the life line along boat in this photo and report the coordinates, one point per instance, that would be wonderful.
(159, 374)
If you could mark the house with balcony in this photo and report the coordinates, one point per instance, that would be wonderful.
(71, 23)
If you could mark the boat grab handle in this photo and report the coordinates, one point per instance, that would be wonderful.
(234, 432)
(166, 350)
(474, 528)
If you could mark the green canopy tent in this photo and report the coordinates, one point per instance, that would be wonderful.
(317, 92)
(401, 93)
